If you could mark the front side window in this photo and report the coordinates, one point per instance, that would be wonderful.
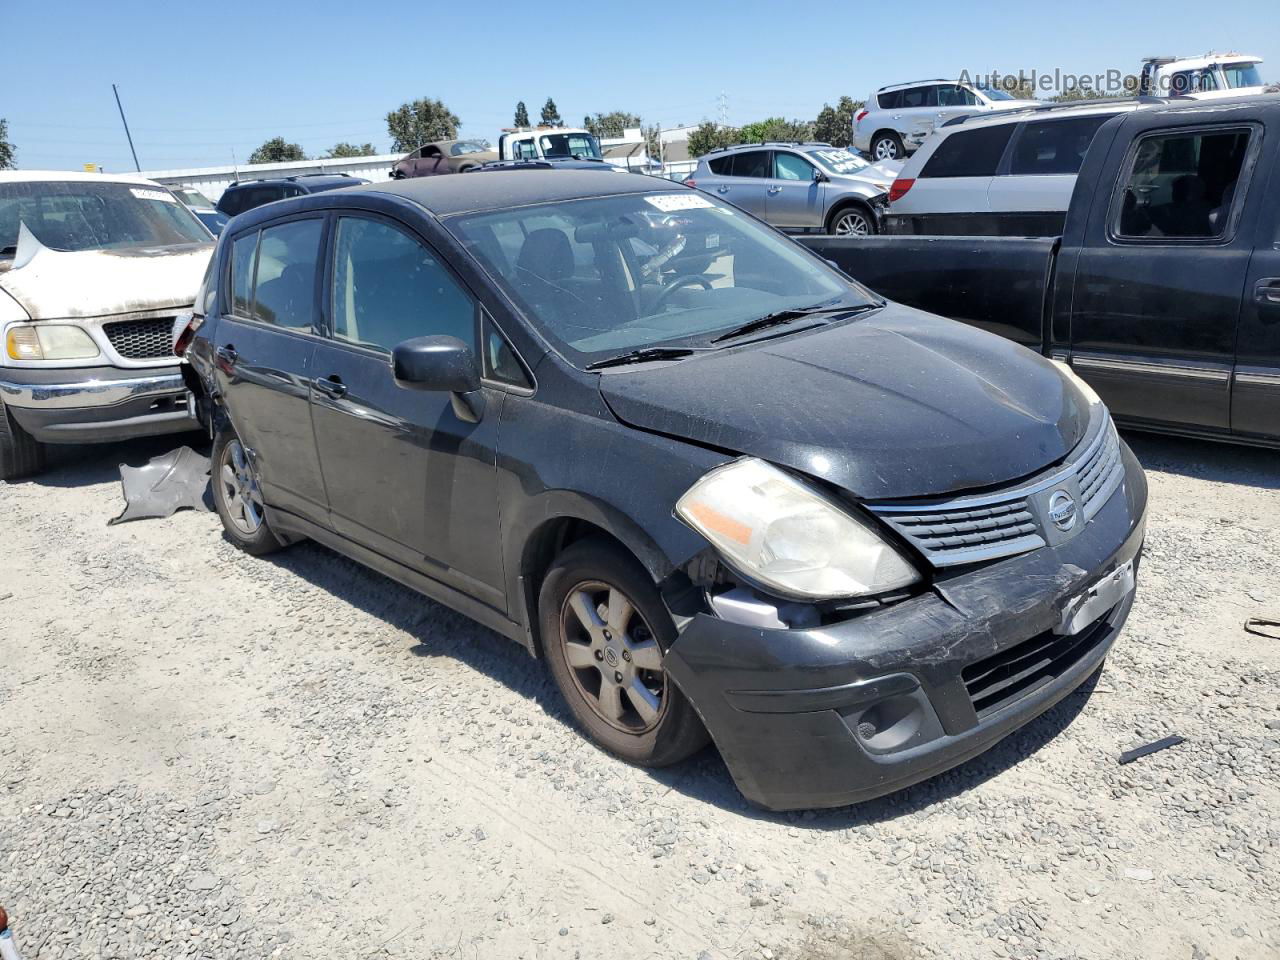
(1193, 81)
(952, 95)
(388, 288)
(607, 275)
(788, 166)
(524, 150)
(1182, 185)
(86, 215)
(577, 145)
(1053, 146)
(753, 163)
(970, 153)
(1241, 75)
(285, 281)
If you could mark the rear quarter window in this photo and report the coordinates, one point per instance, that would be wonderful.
(1053, 146)
(891, 100)
(969, 153)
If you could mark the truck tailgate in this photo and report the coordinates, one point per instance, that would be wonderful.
(997, 283)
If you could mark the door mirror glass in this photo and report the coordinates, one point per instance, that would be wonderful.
(436, 363)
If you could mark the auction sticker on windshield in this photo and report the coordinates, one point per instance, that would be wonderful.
(840, 160)
(670, 202)
(162, 195)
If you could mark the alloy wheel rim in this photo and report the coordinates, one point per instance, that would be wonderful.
(240, 492)
(886, 150)
(852, 225)
(613, 657)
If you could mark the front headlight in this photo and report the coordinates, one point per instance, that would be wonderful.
(786, 535)
(45, 342)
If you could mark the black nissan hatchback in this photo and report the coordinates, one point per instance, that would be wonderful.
(723, 490)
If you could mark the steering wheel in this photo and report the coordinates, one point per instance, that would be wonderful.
(685, 280)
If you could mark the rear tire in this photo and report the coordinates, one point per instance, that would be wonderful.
(237, 494)
(21, 455)
(604, 628)
(887, 146)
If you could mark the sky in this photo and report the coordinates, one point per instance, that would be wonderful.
(203, 84)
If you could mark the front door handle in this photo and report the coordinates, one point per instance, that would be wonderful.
(775, 189)
(722, 189)
(227, 354)
(331, 387)
(1267, 290)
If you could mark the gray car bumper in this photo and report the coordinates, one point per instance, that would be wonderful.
(97, 404)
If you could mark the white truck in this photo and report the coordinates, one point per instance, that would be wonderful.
(548, 143)
(1204, 78)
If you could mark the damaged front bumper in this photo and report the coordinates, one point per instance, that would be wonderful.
(825, 716)
(97, 404)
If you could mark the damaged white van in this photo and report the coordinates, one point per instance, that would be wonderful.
(94, 271)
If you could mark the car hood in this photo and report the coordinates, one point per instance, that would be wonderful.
(899, 403)
(96, 283)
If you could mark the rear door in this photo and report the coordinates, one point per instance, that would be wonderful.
(1255, 392)
(264, 345)
(793, 199)
(747, 176)
(1156, 295)
(1031, 191)
(949, 195)
(406, 477)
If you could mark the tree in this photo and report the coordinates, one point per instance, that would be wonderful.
(345, 149)
(1083, 93)
(8, 152)
(610, 124)
(835, 125)
(276, 150)
(775, 128)
(522, 115)
(550, 115)
(711, 136)
(413, 124)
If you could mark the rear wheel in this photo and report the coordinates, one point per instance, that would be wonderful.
(21, 455)
(604, 628)
(237, 494)
(852, 221)
(887, 146)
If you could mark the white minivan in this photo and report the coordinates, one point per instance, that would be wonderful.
(1006, 175)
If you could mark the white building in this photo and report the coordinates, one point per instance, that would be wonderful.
(211, 181)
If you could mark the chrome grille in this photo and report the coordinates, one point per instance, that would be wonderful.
(141, 339)
(972, 529)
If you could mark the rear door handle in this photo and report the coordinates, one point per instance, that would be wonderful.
(775, 189)
(1267, 290)
(227, 354)
(722, 189)
(331, 387)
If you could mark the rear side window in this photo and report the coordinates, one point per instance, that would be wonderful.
(920, 97)
(971, 153)
(721, 166)
(753, 163)
(1053, 146)
(388, 287)
(284, 288)
(1182, 185)
(242, 257)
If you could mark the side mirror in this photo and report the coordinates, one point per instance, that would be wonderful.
(441, 364)
(819, 176)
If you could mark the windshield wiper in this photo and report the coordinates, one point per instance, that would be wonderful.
(787, 316)
(643, 356)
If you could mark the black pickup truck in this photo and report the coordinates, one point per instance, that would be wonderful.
(1163, 291)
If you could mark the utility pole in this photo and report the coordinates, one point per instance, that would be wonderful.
(128, 135)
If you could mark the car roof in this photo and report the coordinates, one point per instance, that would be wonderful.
(1055, 112)
(1208, 59)
(774, 144)
(916, 83)
(303, 180)
(70, 176)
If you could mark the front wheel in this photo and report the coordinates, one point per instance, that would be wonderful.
(237, 494)
(21, 455)
(604, 629)
(852, 221)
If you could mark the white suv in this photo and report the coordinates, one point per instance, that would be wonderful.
(897, 118)
(1006, 175)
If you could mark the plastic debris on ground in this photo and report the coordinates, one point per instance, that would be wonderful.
(164, 486)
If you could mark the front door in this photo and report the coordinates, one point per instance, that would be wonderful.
(793, 199)
(1157, 288)
(1255, 392)
(265, 346)
(405, 475)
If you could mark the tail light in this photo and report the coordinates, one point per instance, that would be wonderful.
(187, 335)
(900, 188)
(690, 182)
(858, 119)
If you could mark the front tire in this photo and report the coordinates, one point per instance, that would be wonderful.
(21, 455)
(853, 220)
(887, 146)
(604, 628)
(237, 494)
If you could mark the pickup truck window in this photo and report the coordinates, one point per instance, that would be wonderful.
(1053, 146)
(1182, 185)
(969, 153)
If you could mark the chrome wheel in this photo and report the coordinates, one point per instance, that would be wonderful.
(851, 223)
(239, 488)
(613, 657)
(886, 148)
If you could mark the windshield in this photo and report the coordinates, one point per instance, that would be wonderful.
(994, 93)
(192, 198)
(463, 147)
(608, 275)
(215, 220)
(569, 145)
(838, 161)
(1242, 75)
(83, 215)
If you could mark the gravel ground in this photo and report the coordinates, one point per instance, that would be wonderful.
(203, 754)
